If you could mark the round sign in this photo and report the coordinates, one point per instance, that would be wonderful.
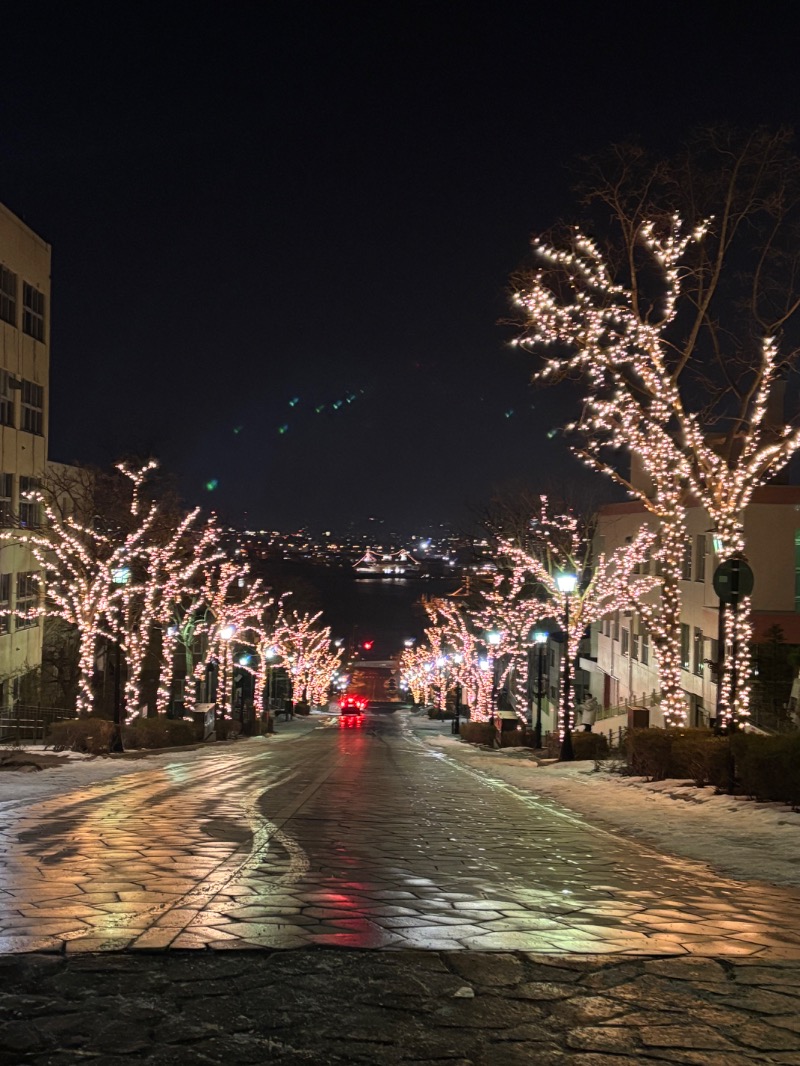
(733, 580)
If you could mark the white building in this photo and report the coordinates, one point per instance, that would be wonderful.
(622, 670)
(24, 380)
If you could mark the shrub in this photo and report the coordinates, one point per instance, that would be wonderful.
(512, 738)
(88, 734)
(477, 732)
(649, 752)
(159, 733)
(589, 745)
(302, 708)
(768, 768)
(701, 757)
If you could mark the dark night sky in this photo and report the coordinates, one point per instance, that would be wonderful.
(325, 200)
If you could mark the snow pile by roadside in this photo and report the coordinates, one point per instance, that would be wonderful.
(736, 836)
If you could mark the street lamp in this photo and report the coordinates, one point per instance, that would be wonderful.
(566, 584)
(540, 640)
(120, 576)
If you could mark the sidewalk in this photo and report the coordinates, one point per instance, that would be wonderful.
(734, 835)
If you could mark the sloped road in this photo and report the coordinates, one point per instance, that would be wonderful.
(146, 919)
(356, 837)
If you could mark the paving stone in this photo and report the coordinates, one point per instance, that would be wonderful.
(768, 1037)
(487, 970)
(684, 1036)
(687, 969)
(595, 1038)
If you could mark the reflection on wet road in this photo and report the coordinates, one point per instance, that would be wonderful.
(361, 837)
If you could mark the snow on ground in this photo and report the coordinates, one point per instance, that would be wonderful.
(736, 836)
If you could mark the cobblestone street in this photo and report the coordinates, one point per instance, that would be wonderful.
(147, 917)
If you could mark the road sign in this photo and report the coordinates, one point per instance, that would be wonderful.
(733, 580)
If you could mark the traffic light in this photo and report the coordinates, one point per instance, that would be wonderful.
(367, 645)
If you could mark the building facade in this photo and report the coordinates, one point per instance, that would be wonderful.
(622, 667)
(24, 398)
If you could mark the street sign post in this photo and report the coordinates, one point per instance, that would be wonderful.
(733, 580)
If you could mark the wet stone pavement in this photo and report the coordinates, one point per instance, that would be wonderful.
(488, 924)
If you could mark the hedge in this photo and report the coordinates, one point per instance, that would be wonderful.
(694, 754)
(477, 732)
(159, 732)
(768, 768)
(88, 734)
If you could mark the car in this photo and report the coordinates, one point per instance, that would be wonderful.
(353, 705)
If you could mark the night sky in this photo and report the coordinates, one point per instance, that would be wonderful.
(261, 210)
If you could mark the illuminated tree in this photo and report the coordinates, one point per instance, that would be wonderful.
(305, 650)
(233, 612)
(559, 543)
(160, 576)
(85, 565)
(512, 609)
(674, 328)
(453, 653)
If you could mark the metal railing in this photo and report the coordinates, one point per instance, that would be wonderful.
(30, 721)
(647, 699)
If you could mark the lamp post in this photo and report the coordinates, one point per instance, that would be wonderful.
(121, 576)
(566, 584)
(540, 640)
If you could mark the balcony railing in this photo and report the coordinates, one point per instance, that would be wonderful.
(647, 699)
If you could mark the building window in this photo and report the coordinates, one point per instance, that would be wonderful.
(5, 601)
(615, 627)
(29, 510)
(32, 312)
(32, 407)
(8, 296)
(686, 570)
(700, 557)
(6, 400)
(553, 693)
(698, 652)
(645, 647)
(6, 489)
(624, 646)
(27, 599)
(634, 645)
(685, 647)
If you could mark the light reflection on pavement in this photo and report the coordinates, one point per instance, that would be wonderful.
(355, 837)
